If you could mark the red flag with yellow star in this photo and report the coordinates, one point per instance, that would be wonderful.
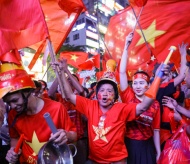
(22, 24)
(90, 63)
(74, 58)
(60, 18)
(164, 24)
(138, 3)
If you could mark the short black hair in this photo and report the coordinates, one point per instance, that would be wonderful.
(42, 81)
(92, 85)
(86, 90)
(25, 90)
(37, 84)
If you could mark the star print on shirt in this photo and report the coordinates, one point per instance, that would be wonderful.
(74, 57)
(150, 34)
(101, 133)
(35, 144)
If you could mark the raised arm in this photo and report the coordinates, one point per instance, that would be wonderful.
(183, 67)
(67, 88)
(171, 103)
(123, 63)
(53, 88)
(75, 83)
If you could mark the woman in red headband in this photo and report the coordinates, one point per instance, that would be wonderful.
(142, 137)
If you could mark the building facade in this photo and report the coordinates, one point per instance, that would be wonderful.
(91, 26)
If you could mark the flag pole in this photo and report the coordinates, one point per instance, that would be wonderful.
(57, 70)
(137, 21)
(137, 18)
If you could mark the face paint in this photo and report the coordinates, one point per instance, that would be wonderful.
(110, 96)
(99, 96)
(140, 86)
(106, 95)
(146, 87)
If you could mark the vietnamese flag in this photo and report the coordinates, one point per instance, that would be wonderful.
(74, 6)
(60, 16)
(138, 3)
(164, 24)
(99, 75)
(90, 63)
(12, 56)
(22, 24)
(74, 58)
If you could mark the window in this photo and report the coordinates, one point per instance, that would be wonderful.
(76, 36)
(67, 40)
(80, 21)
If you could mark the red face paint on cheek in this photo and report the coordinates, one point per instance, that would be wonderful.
(146, 87)
(110, 96)
(99, 96)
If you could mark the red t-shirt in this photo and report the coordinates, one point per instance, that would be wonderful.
(36, 130)
(75, 116)
(106, 145)
(45, 95)
(142, 127)
(127, 95)
(187, 106)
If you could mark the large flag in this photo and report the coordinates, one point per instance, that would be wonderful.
(138, 3)
(90, 63)
(21, 24)
(12, 56)
(74, 58)
(164, 24)
(60, 17)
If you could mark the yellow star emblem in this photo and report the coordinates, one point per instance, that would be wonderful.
(101, 133)
(150, 34)
(35, 144)
(74, 57)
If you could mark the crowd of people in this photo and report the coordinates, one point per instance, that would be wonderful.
(112, 122)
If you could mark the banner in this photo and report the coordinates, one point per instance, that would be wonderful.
(164, 24)
(60, 18)
(22, 24)
(74, 58)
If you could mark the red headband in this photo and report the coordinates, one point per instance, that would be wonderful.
(141, 75)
